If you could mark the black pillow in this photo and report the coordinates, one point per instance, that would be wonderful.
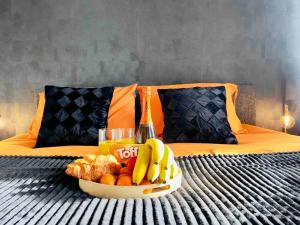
(196, 115)
(72, 116)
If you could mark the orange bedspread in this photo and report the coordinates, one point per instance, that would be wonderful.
(256, 140)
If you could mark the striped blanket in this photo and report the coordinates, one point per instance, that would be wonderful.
(227, 189)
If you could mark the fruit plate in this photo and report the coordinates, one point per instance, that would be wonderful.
(140, 191)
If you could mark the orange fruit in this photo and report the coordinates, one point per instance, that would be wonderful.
(145, 182)
(123, 174)
(125, 170)
(124, 180)
(108, 179)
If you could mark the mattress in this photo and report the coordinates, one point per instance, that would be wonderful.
(224, 189)
(256, 140)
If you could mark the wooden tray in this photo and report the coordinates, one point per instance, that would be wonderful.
(141, 191)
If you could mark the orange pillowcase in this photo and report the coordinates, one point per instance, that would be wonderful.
(122, 108)
(35, 125)
(121, 111)
(158, 117)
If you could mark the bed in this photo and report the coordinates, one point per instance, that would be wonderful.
(255, 182)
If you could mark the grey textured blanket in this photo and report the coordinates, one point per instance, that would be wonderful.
(242, 189)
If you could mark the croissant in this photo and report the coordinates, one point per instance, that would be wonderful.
(105, 159)
(90, 158)
(92, 167)
(74, 170)
(86, 171)
(96, 173)
(81, 161)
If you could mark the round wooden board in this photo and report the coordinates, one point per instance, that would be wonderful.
(114, 191)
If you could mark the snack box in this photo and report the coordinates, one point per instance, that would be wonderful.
(123, 152)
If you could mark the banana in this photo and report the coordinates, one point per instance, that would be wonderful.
(153, 172)
(174, 170)
(156, 156)
(157, 147)
(166, 162)
(141, 165)
(164, 175)
(178, 171)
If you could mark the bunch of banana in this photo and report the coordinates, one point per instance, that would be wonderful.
(155, 160)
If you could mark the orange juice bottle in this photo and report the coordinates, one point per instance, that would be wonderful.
(146, 128)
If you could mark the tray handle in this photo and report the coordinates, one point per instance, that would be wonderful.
(157, 189)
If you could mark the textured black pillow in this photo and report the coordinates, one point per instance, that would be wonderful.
(72, 116)
(196, 115)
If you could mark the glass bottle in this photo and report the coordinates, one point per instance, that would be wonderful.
(146, 128)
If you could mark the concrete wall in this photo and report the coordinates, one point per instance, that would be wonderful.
(104, 42)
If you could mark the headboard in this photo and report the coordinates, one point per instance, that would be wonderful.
(245, 105)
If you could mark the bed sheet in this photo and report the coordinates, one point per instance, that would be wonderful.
(256, 140)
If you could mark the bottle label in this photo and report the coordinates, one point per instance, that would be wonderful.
(146, 107)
